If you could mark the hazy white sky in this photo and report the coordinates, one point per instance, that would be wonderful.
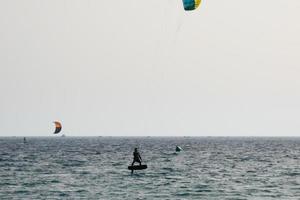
(134, 67)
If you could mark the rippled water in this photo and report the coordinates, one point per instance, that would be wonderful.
(96, 168)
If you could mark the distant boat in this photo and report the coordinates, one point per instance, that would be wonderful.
(24, 140)
(178, 149)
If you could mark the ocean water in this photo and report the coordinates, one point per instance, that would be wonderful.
(96, 168)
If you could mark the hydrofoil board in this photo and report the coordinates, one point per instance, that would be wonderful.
(137, 167)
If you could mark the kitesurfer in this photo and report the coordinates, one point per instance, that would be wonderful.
(136, 157)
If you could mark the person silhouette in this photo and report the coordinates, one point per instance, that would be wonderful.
(136, 157)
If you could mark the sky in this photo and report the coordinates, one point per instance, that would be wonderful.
(148, 68)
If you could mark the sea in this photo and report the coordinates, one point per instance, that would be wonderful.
(229, 168)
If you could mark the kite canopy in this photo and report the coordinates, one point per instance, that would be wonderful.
(57, 127)
(191, 4)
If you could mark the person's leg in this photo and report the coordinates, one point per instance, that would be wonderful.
(140, 162)
(133, 163)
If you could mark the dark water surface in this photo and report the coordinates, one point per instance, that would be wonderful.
(96, 168)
